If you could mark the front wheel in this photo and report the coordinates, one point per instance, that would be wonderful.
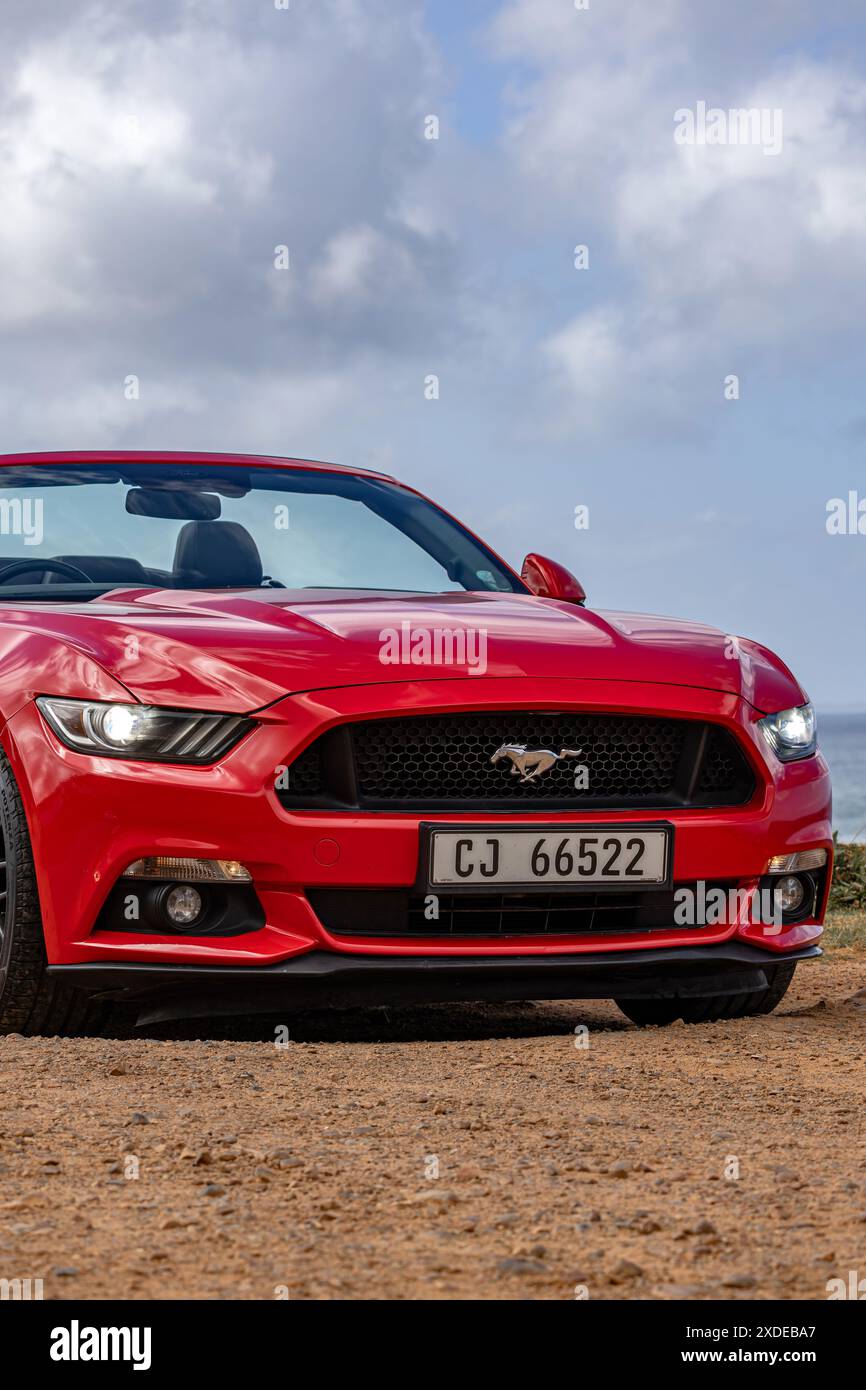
(30, 1001)
(712, 1007)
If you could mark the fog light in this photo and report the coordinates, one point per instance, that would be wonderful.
(183, 905)
(793, 863)
(789, 894)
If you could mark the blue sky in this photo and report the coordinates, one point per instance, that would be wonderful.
(152, 157)
(477, 84)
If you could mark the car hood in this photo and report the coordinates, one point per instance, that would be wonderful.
(245, 649)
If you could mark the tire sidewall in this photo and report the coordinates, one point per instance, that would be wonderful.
(7, 941)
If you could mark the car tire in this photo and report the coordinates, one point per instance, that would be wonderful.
(30, 1001)
(713, 1007)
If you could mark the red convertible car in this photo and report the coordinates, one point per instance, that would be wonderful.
(281, 734)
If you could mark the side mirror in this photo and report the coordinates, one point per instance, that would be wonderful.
(548, 579)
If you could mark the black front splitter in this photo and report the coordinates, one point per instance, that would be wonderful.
(325, 979)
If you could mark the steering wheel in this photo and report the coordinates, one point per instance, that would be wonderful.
(52, 566)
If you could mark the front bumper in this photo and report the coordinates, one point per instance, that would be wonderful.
(90, 817)
(321, 979)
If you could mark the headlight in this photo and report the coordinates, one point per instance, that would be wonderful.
(142, 731)
(791, 733)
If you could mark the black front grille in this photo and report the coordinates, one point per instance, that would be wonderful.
(443, 762)
(398, 912)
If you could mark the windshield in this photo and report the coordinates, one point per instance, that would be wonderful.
(71, 531)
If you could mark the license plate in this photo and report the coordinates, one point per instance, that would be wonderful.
(561, 856)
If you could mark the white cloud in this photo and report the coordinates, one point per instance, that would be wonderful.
(590, 354)
(712, 253)
(152, 157)
(357, 263)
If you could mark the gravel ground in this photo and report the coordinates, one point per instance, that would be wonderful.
(448, 1152)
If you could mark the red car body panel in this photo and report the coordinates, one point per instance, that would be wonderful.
(305, 661)
(260, 646)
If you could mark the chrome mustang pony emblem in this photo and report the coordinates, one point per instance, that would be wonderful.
(530, 763)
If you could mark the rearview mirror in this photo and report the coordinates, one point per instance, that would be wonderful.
(173, 504)
(548, 579)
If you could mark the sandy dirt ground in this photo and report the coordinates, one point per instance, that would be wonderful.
(476, 1152)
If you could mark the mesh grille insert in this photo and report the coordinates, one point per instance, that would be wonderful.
(441, 761)
(450, 756)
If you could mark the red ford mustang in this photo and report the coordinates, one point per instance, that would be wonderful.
(277, 733)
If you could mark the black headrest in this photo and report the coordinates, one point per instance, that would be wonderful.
(216, 554)
(102, 569)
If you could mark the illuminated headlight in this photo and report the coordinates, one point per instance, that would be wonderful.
(791, 733)
(142, 731)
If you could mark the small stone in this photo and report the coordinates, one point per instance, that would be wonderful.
(625, 1269)
(521, 1264)
(436, 1194)
(646, 1226)
(679, 1290)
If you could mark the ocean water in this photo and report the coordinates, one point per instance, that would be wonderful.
(842, 739)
